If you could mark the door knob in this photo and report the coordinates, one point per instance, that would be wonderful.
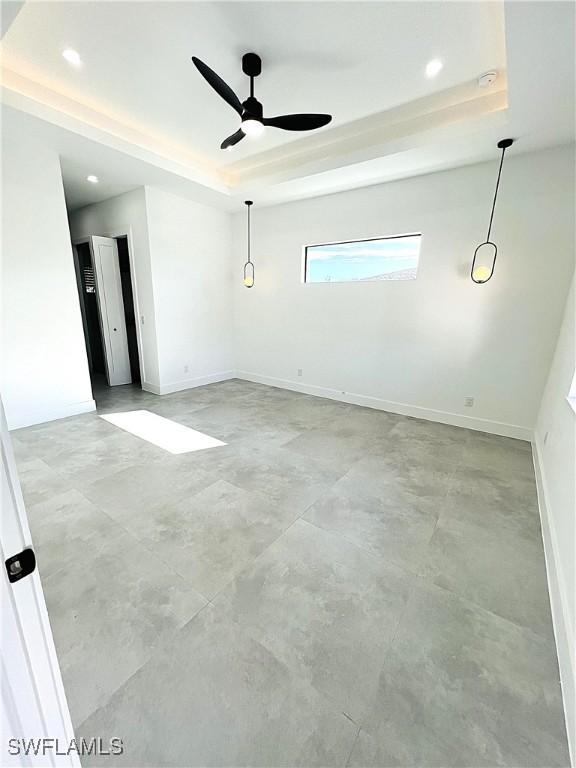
(20, 565)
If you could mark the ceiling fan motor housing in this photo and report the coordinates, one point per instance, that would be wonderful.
(252, 108)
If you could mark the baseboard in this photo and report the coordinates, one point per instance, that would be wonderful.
(179, 386)
(41, 415)
(558, 604)
(148, 387)
(404, 409)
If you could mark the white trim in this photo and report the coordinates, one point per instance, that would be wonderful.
(558, 603)
(404, 409)
(127, 233)
(178, 386)
(149, 387)
(39, 416)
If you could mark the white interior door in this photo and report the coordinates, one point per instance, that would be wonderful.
(111, 305)
(34, 705)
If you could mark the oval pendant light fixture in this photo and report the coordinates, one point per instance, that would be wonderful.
(249, 266)
(485, 254)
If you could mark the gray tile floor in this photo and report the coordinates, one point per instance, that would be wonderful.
(335, 586)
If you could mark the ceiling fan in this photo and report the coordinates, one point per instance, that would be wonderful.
(253, 120)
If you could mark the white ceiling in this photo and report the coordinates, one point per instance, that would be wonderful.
(348, 59)
(138, 96)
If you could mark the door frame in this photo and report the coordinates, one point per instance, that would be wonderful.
(82, 300)
(115, 234)
(87, 241)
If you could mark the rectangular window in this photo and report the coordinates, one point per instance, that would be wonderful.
(380, 258)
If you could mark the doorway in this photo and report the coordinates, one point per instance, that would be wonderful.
(129, 311)
(105, 287)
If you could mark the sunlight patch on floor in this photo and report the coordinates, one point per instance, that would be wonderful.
(165, 433)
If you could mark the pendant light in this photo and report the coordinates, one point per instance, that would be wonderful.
(249, 266)
(485, 254)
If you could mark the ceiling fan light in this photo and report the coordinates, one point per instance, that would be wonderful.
(253, 128)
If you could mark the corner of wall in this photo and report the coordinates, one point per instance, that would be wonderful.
(558, 600)
(29, 417)
(554, 461)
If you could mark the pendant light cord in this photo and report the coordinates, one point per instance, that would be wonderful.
(495, 195)
(249, 262)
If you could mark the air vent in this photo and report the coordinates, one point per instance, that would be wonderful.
(89, 284)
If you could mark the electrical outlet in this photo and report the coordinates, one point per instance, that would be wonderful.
(546, 438)
(469, 402)
(299, 371)
(185, 369)
(142, 319)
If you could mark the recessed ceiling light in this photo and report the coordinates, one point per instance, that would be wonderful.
(92, 179)
(433, 68)
(72, 57)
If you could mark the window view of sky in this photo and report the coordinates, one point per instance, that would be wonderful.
(392, 258)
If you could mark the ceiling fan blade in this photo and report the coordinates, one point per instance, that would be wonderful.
(218, 84)
(298, 122)
(234, 139)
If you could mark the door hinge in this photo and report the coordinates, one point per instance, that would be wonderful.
(20, 565)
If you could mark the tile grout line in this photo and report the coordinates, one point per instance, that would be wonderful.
(265, 550)
(353, 746)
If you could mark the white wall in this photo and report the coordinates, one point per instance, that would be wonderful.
(181, 252)
(555, 470)
(126, 215)
(191, 249)
(44, 372)
(418, 347)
